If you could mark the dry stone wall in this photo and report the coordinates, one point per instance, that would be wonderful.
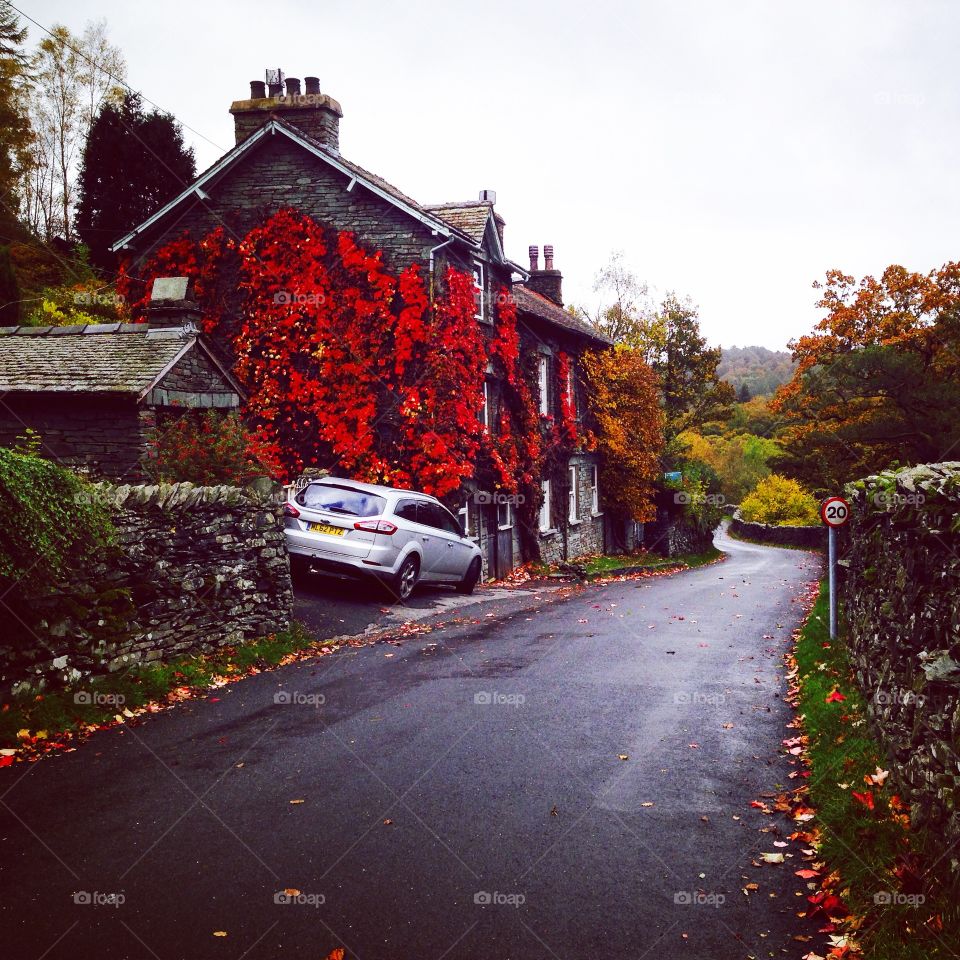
(194, 568)
(901, 598)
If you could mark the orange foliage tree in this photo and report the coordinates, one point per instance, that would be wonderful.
(625, 406)
(878, 379)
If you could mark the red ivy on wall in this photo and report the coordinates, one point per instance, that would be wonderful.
(346, 364)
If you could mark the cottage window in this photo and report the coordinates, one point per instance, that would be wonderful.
(543, 380)
(572, 513)
(545, 507)
(478, 279)
(572, 392)
(485, 412)
(463, 515)
(594, 489)
(504, 516)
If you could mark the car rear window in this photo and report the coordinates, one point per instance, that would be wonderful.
(345, 500)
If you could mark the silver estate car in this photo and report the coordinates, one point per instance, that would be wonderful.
(398, 536)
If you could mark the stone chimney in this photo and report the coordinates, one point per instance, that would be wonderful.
(173, 308)
(313, 112)
(548, 282)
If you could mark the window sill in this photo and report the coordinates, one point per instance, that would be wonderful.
(596, 513)
(574, 523)
(552, 532)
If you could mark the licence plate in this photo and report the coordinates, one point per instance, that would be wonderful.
(326, 528)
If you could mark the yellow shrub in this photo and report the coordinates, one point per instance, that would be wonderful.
(781, 502)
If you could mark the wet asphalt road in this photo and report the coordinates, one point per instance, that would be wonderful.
(459, 796)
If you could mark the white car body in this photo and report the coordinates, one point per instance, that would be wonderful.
(346, 527)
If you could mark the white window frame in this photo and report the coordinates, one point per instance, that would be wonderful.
(543, 382)
(594, 489)
(545, 525)
(479, 277)
(571, 392)
(572, 497)
(509, 515)
(463, 514)
(485, 412)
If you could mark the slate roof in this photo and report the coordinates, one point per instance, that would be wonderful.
(529, 301)
(470, 217)
(117, 358)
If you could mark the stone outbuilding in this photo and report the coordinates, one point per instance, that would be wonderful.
(96, 393)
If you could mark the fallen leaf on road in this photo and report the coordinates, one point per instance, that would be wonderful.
(387, 822)
(298, 801)
(877, 777)
(337, 954)
(646, 803)
(772, 857)
(219, 933)
(807, 874)
(554, 812)
(622, 756)
(728, 726)
(694, 746)
(292, 892)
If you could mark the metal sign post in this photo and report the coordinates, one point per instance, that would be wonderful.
(834, 512)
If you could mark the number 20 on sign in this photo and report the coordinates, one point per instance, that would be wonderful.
(834, 512)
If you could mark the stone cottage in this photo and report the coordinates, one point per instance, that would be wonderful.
(95, 393)
(287, 154)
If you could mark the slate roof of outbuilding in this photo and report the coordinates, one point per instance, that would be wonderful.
(529, 301)
(117, 358)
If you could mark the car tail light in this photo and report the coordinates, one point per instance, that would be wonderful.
(289, 510)
(376, 526)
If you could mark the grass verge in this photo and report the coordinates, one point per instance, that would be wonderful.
(896, 911)
(31, 723)
(610, 564)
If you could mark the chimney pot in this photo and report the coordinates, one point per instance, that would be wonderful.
(548, 256)
(258, 90)
(172, 304)
(313, 84)
(276, 89)
(534, 258)
(488, 196)
(293, 87)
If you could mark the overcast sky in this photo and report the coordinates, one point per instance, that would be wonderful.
(733, 150)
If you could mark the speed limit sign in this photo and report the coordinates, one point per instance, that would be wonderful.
(835, 511)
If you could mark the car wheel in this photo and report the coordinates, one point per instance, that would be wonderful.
(470, 578)
(405, 579)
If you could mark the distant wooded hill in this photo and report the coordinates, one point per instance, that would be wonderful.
(762, 370)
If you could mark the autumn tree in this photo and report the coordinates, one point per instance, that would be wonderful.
(15, 135)
(691, 390)
(626, 409)
(133, 162)
(626, 314)
(75, 76)
(878, 380)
